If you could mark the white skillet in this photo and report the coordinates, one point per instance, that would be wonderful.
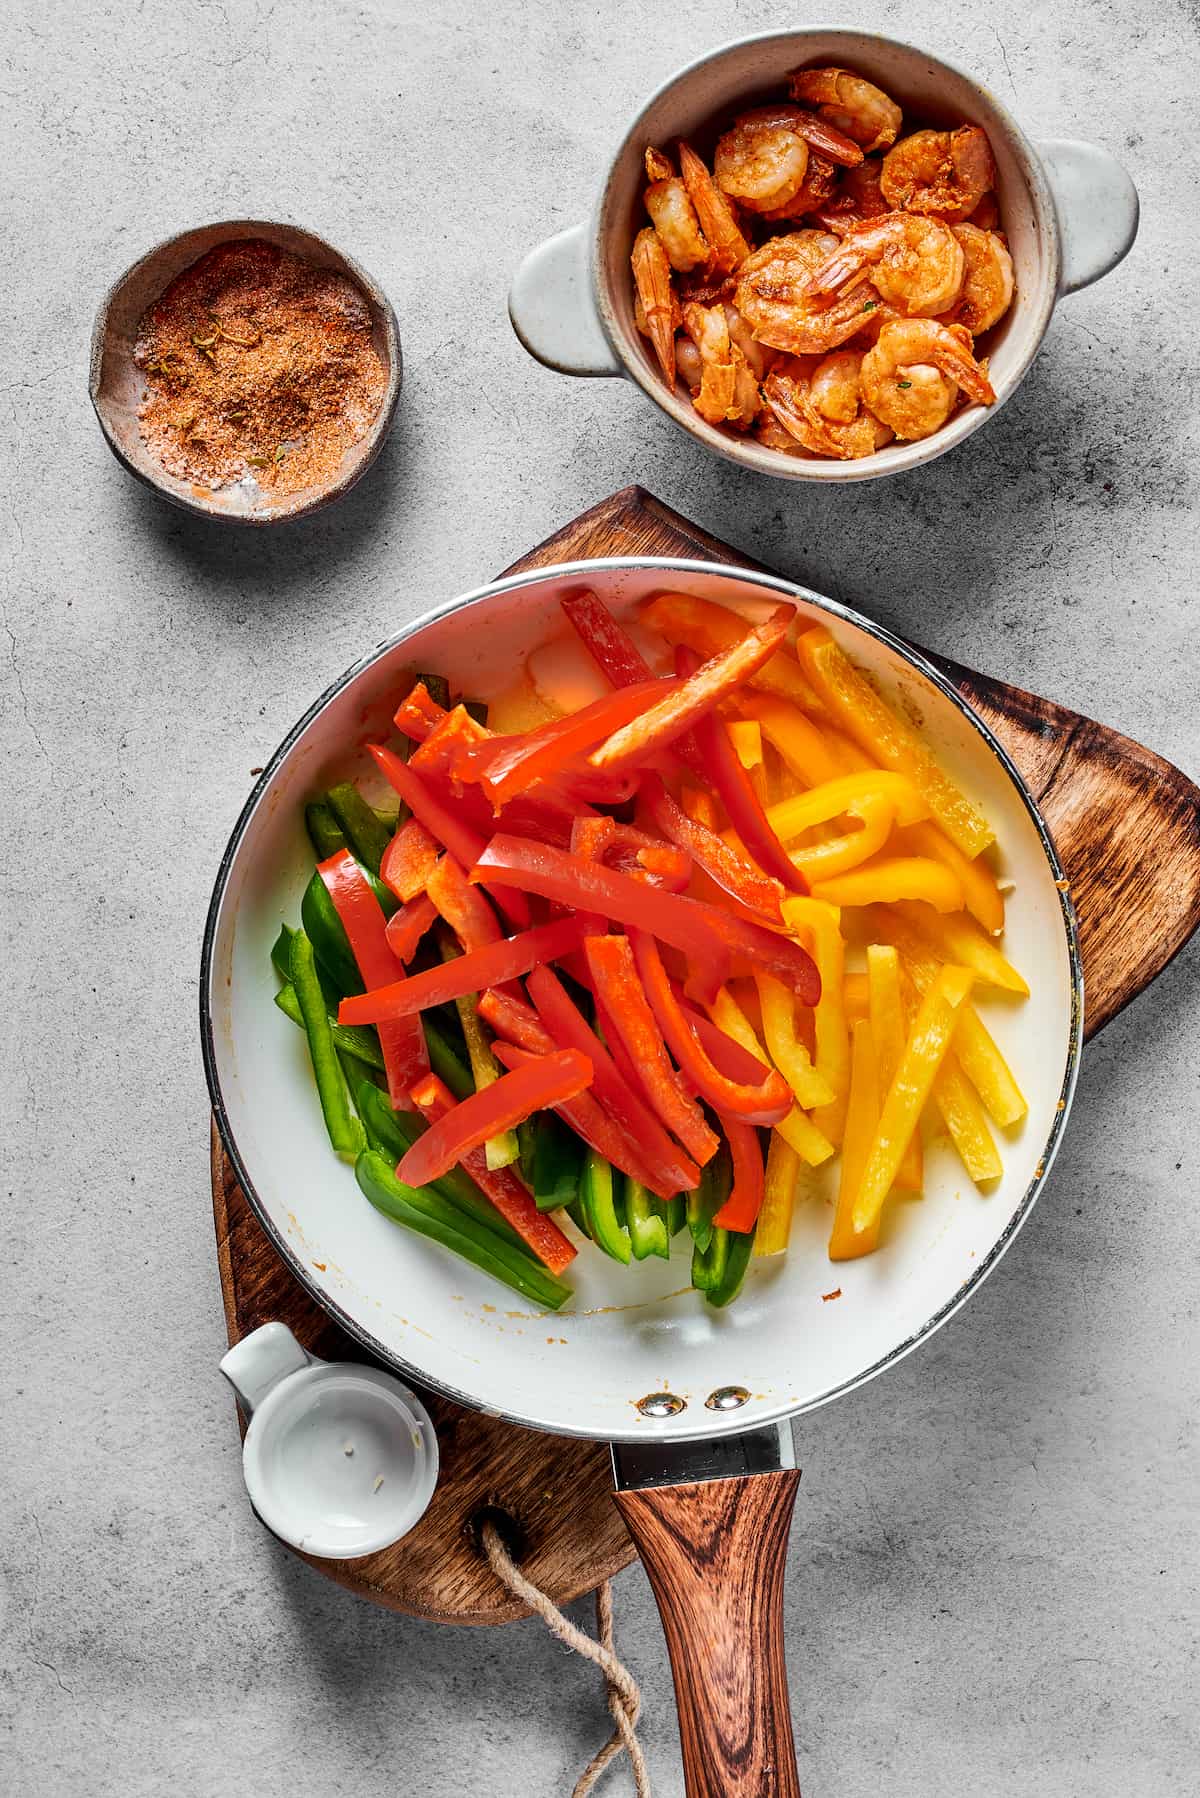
(637, 1358)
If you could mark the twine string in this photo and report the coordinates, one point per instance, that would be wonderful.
(624, 1695)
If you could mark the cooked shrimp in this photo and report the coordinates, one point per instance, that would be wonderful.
(916, 263)
(772, 435)
(762, 159)
(850, 104)
(728, 248)
(691, 368)
(911, 377)
(673, 214)
(728, 392)
(988, 288)
(816, 188)
(772, 296)
(945, 173)
(826, 412)
(652, 279)
(987, 214)
(757, 356)
(856, 197)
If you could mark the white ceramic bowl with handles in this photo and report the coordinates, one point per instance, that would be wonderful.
(1070, 211)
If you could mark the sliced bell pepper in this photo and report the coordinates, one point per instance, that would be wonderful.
(646, 1222)
(511, 1198)
(427, 1212)
(709, 628)
(740, 1210)
(846, 1243)
(746, 736)
(394, 1132)
(418, 713)
(345, 1130)
(570, 1029)
(804, 748)
(981, 894)
(459, 837)
(609, 645)
(406, 927)
(598, 1194)
(445, 1059)
(362, 1044)
(493, 1109)
(331, 946)
(620, 991)
(502, 1149)
(409, 860)
(894, 877)
(462, 905)
(889, 1030)
(324, 832)
(405, 1056)
(764, 1103)
(786, 1050)
(832, 1059)
(733, 1265)
(960, 939)
(592, 1123)
(858, 708)
(966, 1124)
(557, 1163)
(365, 831)
(489, 966)
(780, 1184)
(700, 806)
(742, 804)
(929, 1039)
(704, 687)
(505, 766)
(706, 933)
(511, 1018)
(741, 879)
(732, 1036)
(633, 851)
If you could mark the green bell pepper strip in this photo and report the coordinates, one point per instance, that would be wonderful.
(345, 1130)
(676, 1210)
(424, 1210)
(357, 1040)
(445, 1059)
(327, 933)
(599, 1208)
(365, 833)
(738, 1249)
(324, 831)
(646, 1221)
(526, 1143)
(504, 1149)
(557, 1162)
(392, 1133)
(576, 1214)
(705, 1200)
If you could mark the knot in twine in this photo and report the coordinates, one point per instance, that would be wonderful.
(624, 1696)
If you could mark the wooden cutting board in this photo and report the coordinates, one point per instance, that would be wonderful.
(1127, 826)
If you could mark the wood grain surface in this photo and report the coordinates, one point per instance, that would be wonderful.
(715, 1555)
(1127, 826)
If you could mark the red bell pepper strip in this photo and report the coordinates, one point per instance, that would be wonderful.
(409, 860)
(680, 709)
(512, 1200)
(743, 882)
(736, 790)
(405, 1055)
(441, 821)
(418, 713)
(740, 1210)
(705, 933)
(406, 927)
(592, 1123)
(570, 1029)
(508, 765)
(610, 646)
(463, 906)
(511, 1018)
(765, 1103)
(455, 733)
(623, 846)
(507, 1102)
(620, 991)
(470, 973)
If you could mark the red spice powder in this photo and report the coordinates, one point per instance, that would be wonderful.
(259, 366)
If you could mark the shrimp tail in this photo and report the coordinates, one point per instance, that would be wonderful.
(828, 140)
(718, 221)
(955, 360)
(652, 277)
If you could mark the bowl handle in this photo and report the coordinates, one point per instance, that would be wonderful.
(1097, 206)
(715, 1551)
(552, 310)
(255, 1365)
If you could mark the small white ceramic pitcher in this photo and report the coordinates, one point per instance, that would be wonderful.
(339, 1459)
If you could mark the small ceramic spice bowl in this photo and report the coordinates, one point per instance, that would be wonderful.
(339, 1459)
(118, 385)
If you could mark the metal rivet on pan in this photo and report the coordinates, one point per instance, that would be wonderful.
(726, 1398)
(661, 1404)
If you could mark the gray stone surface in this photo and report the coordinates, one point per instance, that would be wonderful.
(993, 1572)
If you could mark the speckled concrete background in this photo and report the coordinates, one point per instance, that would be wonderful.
(993, 1573)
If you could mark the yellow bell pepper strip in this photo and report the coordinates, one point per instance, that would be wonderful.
(858, 708)
(960, 939)
(976, 1049)
(893, 877)
(838, 855)
(816, 918)
(924, 1052)
(784, 1046)
(981, 896)
(886, 1011)
(857, 999)
(796, 1129)
(780, 1182)
(681, 707)
(746, 736)
(709, 628)
(803, 747)
(965, 1121)
(791, 817)
(862, 1120)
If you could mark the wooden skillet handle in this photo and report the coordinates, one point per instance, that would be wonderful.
(715, 1553)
